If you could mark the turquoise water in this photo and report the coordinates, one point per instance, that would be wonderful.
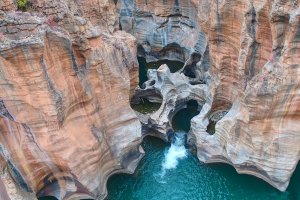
(192, 180)
(160, 177)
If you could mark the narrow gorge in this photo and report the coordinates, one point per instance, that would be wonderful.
(138, 99)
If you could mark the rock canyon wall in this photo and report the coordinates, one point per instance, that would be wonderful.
(68, 75)
(241, 65)
(66, 123)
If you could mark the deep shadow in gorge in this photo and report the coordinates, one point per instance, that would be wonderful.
(174, 66)
(211, 128)
(145, 106)
(181, 121)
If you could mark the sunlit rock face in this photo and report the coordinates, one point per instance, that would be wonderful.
(65, 120)
(254, 56)
(67, 76)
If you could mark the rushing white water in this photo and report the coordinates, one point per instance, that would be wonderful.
(176, 152)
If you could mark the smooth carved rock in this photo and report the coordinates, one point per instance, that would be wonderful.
(66, 79)
(164, 29)
(253, 70)
(250, 71)
(65, 120)
(174, 91)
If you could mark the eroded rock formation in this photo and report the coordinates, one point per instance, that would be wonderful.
(66, 124)
(67, 76)
(248, 74)
(254, 50)
(164, 29)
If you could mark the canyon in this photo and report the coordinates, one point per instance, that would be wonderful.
(69, 82)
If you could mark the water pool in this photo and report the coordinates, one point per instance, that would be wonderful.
(192, 180)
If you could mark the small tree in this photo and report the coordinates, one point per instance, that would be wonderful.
(23, 5)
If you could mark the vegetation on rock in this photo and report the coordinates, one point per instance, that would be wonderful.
(23, 5)
(27, 5)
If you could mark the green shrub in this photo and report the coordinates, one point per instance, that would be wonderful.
(22, 4)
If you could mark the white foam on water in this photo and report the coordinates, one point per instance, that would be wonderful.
(176, 152)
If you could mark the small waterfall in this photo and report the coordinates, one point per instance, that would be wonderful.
(176, 152)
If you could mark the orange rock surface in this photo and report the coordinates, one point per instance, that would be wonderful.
(66, 124)
(67, 75)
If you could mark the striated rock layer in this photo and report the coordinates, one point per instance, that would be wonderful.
(164, 29)
(254, 54)
(68, 75)
(65, 120)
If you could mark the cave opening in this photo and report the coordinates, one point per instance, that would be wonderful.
(211, 128)
(213, 119)
(181, 121)
(191, 66)
(173, 65)
(220, 107)
(190, 72)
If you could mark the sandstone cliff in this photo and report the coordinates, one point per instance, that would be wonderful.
(254, 54)
(67, 75)
(66, 124)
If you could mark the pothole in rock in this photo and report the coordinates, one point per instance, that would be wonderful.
(145, 106)
(174, 66)
(181, 121)
(190, 72)
(213, 119)
(191, 66)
